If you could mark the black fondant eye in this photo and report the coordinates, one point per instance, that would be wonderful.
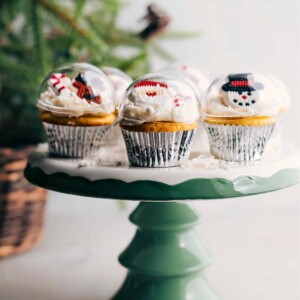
(249, 93)
(240, 104)
(240, 92)
(253, 101)
(235, 101)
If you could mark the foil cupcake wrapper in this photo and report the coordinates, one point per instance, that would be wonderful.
(238, 143)
(74, 141)
(158, 149)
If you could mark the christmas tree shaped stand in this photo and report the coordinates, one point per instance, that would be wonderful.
(165, 259)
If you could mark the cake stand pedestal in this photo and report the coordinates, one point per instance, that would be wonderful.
(165, 259)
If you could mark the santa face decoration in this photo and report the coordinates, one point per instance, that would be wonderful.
(150, 93)
(241, 91)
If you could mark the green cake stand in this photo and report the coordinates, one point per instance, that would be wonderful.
(165, 259)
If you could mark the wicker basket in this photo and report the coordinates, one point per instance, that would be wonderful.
(21, 204)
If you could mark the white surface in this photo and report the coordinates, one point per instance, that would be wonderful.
(255, 242)
(286, 158)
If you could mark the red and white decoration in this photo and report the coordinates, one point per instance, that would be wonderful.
(151, 92)
(179, 101)
(59, 82)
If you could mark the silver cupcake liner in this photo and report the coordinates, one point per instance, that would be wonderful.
(238, 143)
(74, 141)
(158, 149)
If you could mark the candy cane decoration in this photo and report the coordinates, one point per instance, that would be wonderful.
(60, 81)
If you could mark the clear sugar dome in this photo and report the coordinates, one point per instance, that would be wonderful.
(120, 81)
(242, 95)
(160, 97)
(77, 89)
(195, 77)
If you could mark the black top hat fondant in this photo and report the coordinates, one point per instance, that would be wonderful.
(241, 83)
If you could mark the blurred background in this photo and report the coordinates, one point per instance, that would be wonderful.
(255, 240)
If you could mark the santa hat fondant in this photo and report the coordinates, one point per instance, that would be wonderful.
(147, 83)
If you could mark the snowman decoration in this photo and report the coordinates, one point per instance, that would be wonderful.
(241, 91)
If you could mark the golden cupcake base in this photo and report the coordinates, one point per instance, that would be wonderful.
(159, 127)
(246, 121)
(85, 120)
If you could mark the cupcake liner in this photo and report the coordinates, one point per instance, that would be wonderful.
(74, 141)
(158, 149)
(238, 143)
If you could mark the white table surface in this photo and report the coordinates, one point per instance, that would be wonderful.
(255, 242)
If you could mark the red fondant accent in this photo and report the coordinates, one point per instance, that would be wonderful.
(151, 94)
(97, 100)
(239, 83)
(150, 83)
(81, 88)
(244, 97)
(85, 92)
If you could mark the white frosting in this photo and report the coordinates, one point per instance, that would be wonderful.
(171, 101)
(60, 96)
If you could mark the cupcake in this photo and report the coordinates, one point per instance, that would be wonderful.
(77, 108)
(240, 114)
(120, 81)
(159, 118)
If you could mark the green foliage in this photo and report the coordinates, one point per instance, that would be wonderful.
(39, 35)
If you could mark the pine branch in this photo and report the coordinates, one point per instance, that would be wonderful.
(40, 48)
(87, 38)
(135, 65)
(114, 36)
(13, 69)
(79, 5)
(162, 53)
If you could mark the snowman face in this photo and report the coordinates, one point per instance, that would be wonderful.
(241, 99)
